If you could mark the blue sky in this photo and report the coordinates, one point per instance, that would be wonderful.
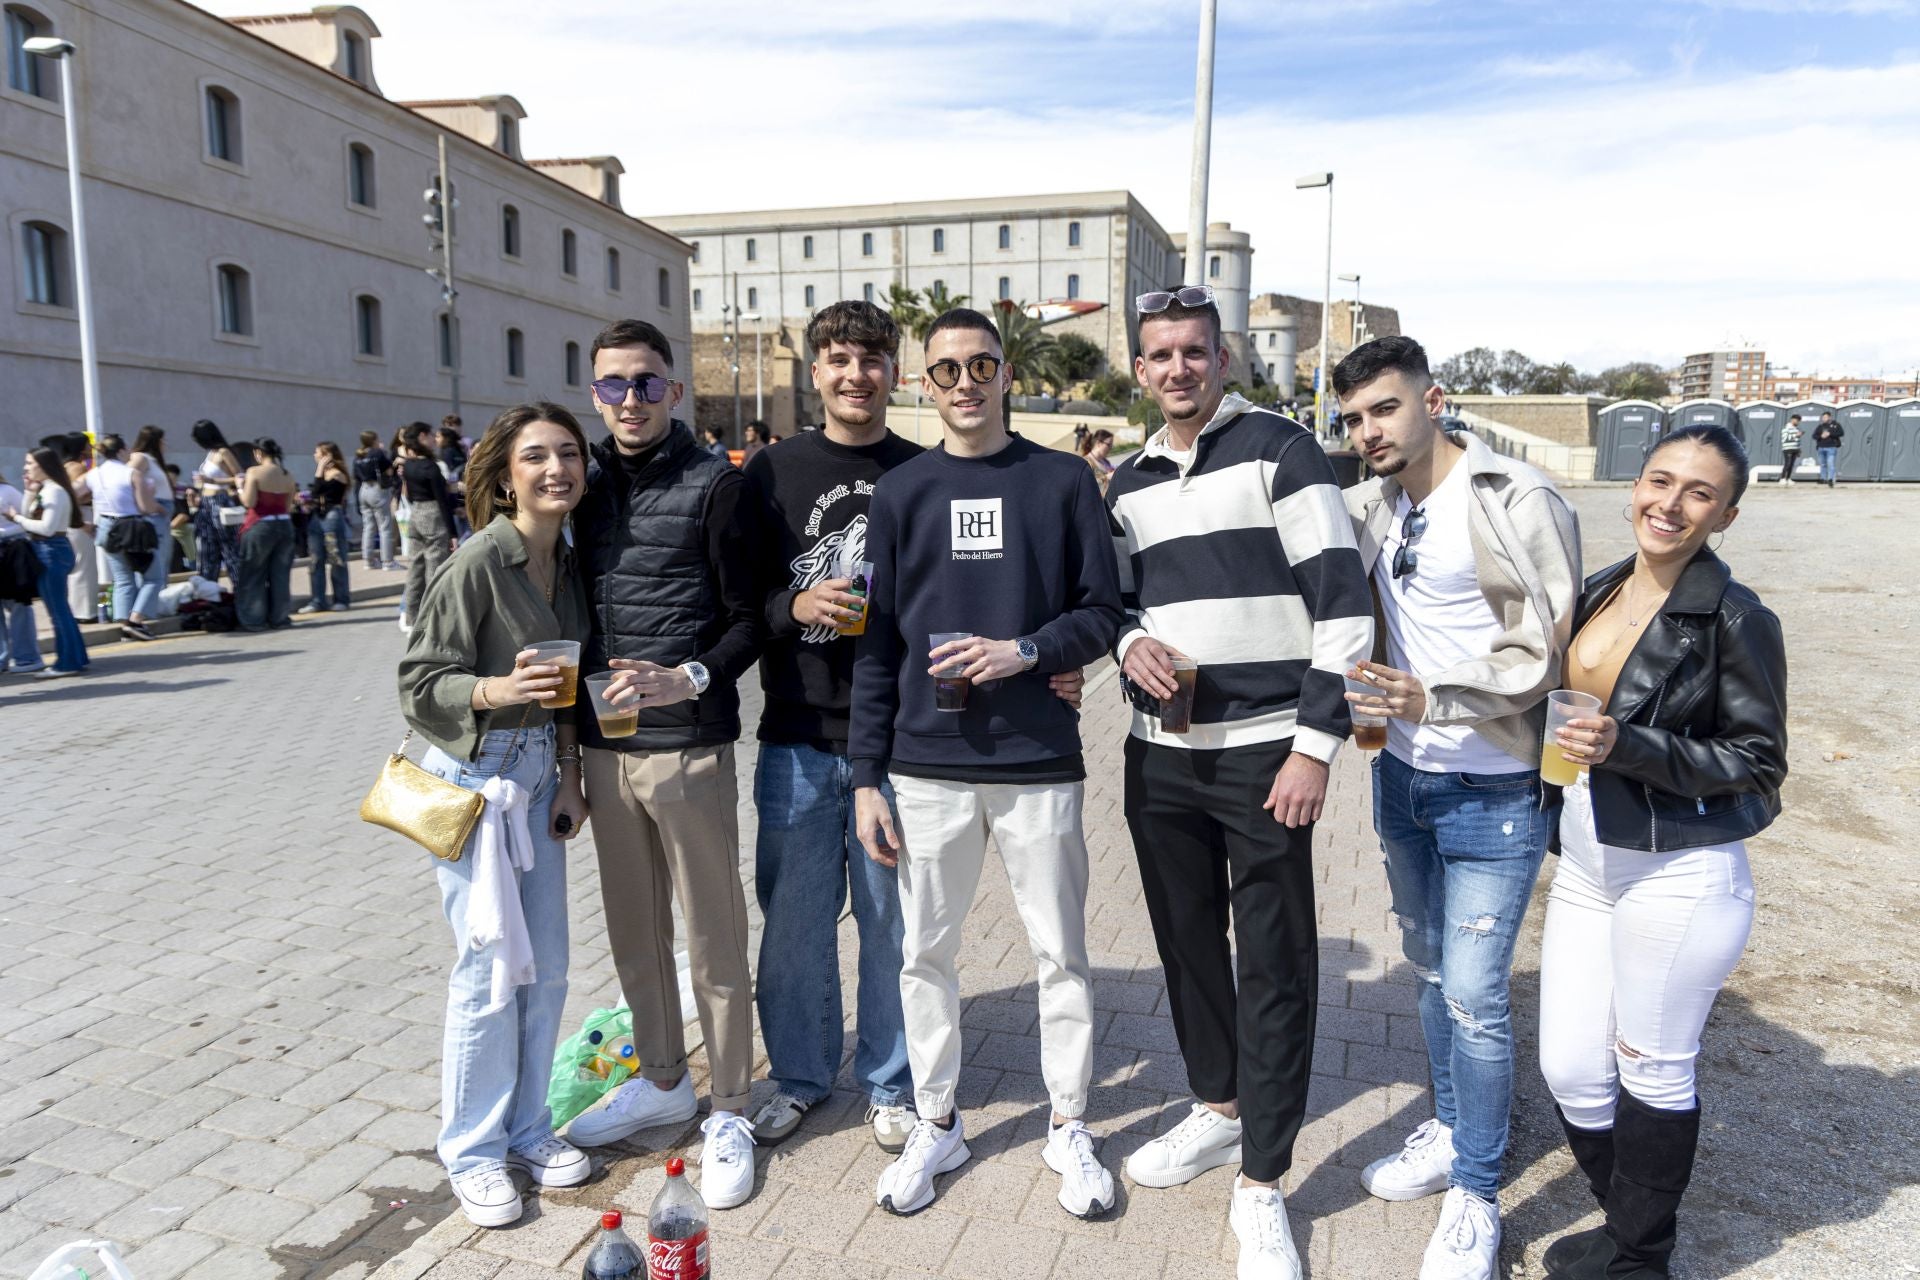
(1584, 181)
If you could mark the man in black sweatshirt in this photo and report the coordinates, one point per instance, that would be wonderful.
(1003, 544)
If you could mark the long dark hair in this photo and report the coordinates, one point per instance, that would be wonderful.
(1717, 438)
(207, 435)
(55, 472)
(487, 464)
(148, 442)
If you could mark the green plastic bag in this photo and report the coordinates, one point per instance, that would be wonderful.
(575, 1085)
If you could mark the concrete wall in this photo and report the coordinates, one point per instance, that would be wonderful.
(162, 216)
(1569, 420)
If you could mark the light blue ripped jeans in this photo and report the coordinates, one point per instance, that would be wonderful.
(1462, 853)
(494, 1066)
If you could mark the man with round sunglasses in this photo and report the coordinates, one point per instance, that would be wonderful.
(1475, 566)
(669, 538)
(1235, 553)
(992, 568)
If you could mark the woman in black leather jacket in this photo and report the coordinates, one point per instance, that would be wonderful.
(1652, 901)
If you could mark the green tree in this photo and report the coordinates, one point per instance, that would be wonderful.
(1113, 389)
(1470, 373)
(1635, 380)
(1554, 380)
(938, 301)
(1080, 359)
(903, 304)
(1029, 348)
(1513, 372)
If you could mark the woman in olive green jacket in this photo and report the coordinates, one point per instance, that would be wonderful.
(470, 686)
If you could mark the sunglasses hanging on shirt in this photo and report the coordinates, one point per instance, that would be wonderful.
(1405, 558)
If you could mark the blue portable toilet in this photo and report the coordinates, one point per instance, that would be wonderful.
(1900, 459)
(1627, 430)
(1864, 445)
(1758, 426)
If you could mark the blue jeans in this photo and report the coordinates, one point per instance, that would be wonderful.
(1829, 464)
(263, 576)
(809, 852)
(137, 592)
(494, 1067)
(56, 562)
(327, 547)
(1462, 853)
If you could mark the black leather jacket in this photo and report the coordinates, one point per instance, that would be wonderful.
(1702, 709)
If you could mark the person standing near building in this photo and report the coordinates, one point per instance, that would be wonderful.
(1237, 554)
(671, 542)
(373, 476)
(50, 516)
(1790, 437)
(1827, 435)
(327, 573)
(423, 481)
(216, 539)
(19, 581)
(1475, 561)
(1004, 544)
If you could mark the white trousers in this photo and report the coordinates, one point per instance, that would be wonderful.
(83, 581)
(944, 826)
(1637, 945)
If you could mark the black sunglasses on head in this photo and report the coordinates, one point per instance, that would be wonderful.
(946, 373)
(1405, 558)
(612, 392)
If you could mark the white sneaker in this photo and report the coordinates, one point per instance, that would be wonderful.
(1086, 1189)
(906, 1185)
(488, 1196)
(726, 1160)
(1467, 1241)
(636, 1105)
(1259, 1220)
(552, 1162)
(1204, 1140)
(891, 1125)
(1421, 1168)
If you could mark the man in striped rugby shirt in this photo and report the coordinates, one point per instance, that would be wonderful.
(1236, 552)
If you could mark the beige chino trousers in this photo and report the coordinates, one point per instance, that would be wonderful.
(666, 823)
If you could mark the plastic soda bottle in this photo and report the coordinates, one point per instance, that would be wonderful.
(614, 1255)
(677, 1230)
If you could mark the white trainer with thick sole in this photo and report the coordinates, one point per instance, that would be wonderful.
(1086, 1188)
(1259, 1220)
(1204, 1140)
(906, 1185)
(638, 1104)
(1420, 1168)
(552, 1162)
(1466, 1244)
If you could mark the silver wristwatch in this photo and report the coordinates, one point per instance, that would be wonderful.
(1029, 654)
(697, 673)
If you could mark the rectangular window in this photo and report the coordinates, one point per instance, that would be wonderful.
(1006, 236)
(753, 250)
(23, 68)
(1073, 286)
(1073, 235)
(806, 246)
(1006, 289)
(697, 301)
(696, 251)
(753, 298)
(573, 364)
(1213, 267)
(223, 126)
(360, 175)
(666, 289)
(866, 292)
(569, 254)
(509, 128)
(516, 354)
(236, 306)
(444, 329)
(43, 263)
(809, 297)
(366, 320)
(939, 239)
(866, 244)
(613, 271)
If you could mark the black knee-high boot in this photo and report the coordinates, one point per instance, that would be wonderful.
(1652, 1164)
(1585, 1253)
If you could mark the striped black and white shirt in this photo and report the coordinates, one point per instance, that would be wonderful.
(1241, 555)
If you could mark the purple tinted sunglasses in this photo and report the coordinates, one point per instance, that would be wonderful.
(650, 387)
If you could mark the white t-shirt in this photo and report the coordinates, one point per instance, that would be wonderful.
(1437, 617)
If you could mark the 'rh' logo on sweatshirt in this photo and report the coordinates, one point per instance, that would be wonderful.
(976, 526)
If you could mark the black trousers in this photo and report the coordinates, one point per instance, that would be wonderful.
(1206, 850)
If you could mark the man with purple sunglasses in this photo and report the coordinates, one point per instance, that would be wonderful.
(667, 535)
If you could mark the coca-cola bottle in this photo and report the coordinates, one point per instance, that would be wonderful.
(677, 1230)
(614, 1256)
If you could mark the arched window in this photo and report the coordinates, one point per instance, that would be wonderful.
(806, 246)
(866, 244)
(44, 267)
(809, 297)
(234, 297)
(360, 184)
(25, 72)
(516, 354)
(610, 189)
(1073, 286)
(223, 125)
(866, 292)
(939, 289)
(569, 254)
(573, 364)
(753, 298)
(366, 325)
(698, 302)
(1006, 236)
(666, 289)
(444, 341)
(509, 135)
(1213, 266)
(753, 250)
(509, 231)
(939, 239)
(613, 270)
(1006, 289)
(353, 56)
(1073, 235)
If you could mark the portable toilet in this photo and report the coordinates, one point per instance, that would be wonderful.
(1900, 458)
(1758, 426)
(1865, 441)
(1809, 411)
(1627, 430)
(1703, 413)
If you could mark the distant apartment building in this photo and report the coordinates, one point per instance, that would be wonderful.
(1735, 376)
(254, 216)
(1787, 387)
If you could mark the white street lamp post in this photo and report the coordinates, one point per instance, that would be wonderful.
(1353, 317)
(1196, 272)
(1326, 304)
(63, 50)
(759, 411)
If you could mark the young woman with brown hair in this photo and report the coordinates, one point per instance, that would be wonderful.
(52, 513)
(470, 686)
(327, 530)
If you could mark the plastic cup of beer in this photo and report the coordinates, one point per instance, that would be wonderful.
(1369, 730)
(950, 683)
(564, 654)
(1564, 705)
(1176, 713)
(859, 575)
(615, 721)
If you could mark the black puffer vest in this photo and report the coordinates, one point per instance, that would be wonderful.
(650, 584)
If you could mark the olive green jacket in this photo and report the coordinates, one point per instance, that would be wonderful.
(479, 611)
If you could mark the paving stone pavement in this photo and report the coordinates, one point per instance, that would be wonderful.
(221, 994)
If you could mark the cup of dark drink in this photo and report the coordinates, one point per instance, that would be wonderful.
(1369, 730)
(950, 683)
(1176, 713)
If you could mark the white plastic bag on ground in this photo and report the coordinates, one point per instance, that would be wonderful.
(74, 1262)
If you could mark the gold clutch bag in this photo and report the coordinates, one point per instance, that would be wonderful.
(430, 811)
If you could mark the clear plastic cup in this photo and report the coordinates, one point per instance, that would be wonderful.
(615, 721)
(1176, 713)
(564, 654)
(1564, 705)
(950, 685)
(1369, 731)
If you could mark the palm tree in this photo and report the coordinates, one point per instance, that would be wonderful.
(938, 302)
(1029, 348)
(903, 304)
